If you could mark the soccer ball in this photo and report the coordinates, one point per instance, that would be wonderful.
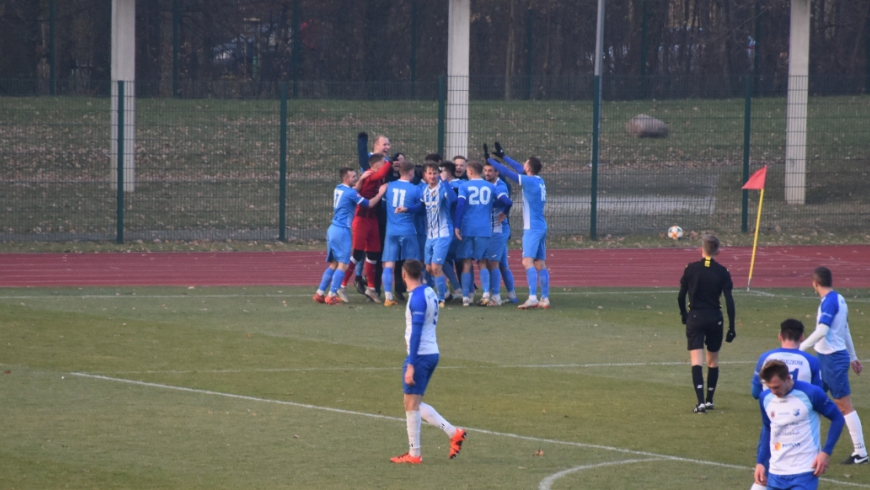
(675, 232)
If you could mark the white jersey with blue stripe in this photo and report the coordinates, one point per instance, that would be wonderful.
(401, 194)
(499, 226)
(534, 202)
(422, 304)
(801, 365)
(438, 201)
(478, 195)
(344, 202)
(794, 422)
(834, 313)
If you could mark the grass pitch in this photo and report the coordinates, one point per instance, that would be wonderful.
(263, 388)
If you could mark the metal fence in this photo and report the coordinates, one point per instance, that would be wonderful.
(212, 166)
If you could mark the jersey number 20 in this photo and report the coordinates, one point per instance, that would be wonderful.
(479, 196)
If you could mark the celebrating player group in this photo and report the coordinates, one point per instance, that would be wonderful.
(449, 215)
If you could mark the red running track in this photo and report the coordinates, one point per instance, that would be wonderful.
(661, 267)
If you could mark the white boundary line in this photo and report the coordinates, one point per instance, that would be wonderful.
(547, 482)
(393, 368)
(397, 419)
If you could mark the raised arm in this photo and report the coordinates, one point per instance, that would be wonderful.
(362, 150)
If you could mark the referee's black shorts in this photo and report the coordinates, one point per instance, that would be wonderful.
(704, 327)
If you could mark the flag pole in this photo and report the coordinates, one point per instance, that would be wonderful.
(755, 241)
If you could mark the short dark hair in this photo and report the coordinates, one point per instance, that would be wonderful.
(414, 269)
(458, 156)
(375, 158)
(791, 329)
(710, 245)
(396, 156)
(773, 368)
(450, 167)
(476, 166)
(433, 157)
(344, 171)
(823, 277)
(406, 167)
(536, 165)
(432, 165)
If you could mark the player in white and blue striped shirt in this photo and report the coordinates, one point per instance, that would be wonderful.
(438, 197)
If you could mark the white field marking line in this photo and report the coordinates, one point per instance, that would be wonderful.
(547, 482)
(397, 419)
(393, 368)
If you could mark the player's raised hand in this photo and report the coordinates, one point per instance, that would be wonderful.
(821, 463)
(498, 151)
(485, 152)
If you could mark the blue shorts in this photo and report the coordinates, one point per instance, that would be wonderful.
(535, 244)
(404, 247)
(497, 248)
(423, 370)
(436, 250)
(472, 247)
(835, 373)
(338, 244)
(801, 481)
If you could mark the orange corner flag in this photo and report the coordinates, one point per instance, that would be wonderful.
(756, 180)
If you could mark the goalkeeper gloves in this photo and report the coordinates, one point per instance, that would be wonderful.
(498, 151)
(485, 152)
(730, 335)
(683, 316)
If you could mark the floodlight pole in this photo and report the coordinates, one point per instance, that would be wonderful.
(596, 122)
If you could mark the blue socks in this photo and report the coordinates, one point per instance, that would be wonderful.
(532, 278)
(495, 281)
(326, 280)
(450, 272)
(387, 280)
(337, 279)
(484, 279)
(508, 278)
(441, 287)
(544, 274)
(467, 285)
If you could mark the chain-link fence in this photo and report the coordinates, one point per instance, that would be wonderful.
(211, 166)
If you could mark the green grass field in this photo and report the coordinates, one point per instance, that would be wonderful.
(263, 388)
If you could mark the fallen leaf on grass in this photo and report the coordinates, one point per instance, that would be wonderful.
(538, 453)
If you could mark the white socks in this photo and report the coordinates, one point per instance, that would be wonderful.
(413, 419)
(756, 486)
(434, 418)
(854, 425)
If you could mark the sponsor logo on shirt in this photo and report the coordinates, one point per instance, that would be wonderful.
(778, 446)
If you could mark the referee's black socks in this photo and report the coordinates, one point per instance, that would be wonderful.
(698, 381)
(712, 379)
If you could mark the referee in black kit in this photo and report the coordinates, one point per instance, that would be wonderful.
(704, 281)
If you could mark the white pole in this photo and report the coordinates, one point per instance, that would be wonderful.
(123, 68)
(458, 38)
(796, 103)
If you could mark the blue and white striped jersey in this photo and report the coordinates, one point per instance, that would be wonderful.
(438, 202)
(499, 226)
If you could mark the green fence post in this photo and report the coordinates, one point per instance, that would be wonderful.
(282, 203)
(530, 47)
(120, 211)
(297, 48)
(413, 49)
(596, 133)
(747, 119)
(442, 103)
(176, 42)
(52, 53)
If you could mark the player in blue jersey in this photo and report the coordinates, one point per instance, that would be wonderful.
(496, 252)
(534, 222)
(402, 199)
(450, 266)
(473, 223)
(421, 321)
(338, 237)
(802, 366)
(833, 343)
(790, 438)
(438, 198)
